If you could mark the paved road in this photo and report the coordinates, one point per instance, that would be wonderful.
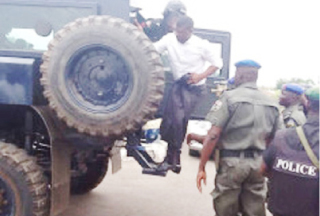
(130, 193)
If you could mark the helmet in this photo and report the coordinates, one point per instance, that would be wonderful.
(175, 6)
(151, 135)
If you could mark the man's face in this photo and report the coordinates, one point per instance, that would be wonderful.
(183, 34)
(288, 98)
(172, 23)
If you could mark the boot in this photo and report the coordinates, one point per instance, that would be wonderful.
(176, 166)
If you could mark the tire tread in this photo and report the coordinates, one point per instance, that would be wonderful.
(147, 108)
(26, 165)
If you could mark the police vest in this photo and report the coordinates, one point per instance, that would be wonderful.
(294, 184)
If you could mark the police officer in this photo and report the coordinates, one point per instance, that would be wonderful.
(242, 120)
(292, 170)
(155, 29)
(291, 98)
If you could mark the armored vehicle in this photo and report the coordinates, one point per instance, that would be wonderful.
(75, 77)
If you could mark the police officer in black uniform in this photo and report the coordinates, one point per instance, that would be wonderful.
(293, 168)
(155, 29)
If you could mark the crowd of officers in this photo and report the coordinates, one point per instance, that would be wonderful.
(254, 138)
(251, 136)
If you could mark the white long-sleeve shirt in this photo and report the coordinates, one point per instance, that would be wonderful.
(190, 57)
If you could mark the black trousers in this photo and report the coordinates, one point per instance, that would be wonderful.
(182, 101)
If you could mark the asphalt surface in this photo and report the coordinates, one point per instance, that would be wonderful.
(131, 193)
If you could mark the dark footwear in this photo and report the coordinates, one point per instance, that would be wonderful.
(176, 166)
(176, 169)
(150, 171)
(164, 167)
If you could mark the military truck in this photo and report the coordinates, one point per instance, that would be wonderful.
(75, 77)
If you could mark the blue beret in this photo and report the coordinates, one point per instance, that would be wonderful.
(293, 88)
(247, 63)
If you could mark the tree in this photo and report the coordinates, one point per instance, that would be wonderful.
(299, 81)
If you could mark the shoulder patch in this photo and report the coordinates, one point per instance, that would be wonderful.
(216, 106)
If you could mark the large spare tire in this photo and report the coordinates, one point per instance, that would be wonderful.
(102, 76)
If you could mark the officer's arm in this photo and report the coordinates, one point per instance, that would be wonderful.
(279, 124)
(268, 159)
(264, 169)
(209, 143)
(218, 116)
(196, 137)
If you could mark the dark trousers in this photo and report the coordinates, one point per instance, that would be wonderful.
(182, 101)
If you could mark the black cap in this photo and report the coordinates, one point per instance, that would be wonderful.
(175, 6)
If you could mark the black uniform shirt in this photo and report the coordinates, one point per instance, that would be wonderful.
(311, 130)
(294, 180)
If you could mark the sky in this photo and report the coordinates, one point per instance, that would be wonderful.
(282, 35)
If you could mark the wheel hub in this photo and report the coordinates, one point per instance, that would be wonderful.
(100, 76)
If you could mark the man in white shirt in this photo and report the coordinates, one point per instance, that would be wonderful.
(188, 56)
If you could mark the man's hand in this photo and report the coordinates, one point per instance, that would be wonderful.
(194, 78)
(201, 176)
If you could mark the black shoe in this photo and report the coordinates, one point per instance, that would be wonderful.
(151, 171)
(176, 169)
(176, 166)
(164, 167)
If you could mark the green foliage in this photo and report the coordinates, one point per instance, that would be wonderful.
(302, 82)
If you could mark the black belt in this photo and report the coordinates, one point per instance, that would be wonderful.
(247, 153)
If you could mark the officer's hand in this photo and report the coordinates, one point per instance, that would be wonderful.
(189, 138)
(138, 25)
(201, 176)
(194, 78)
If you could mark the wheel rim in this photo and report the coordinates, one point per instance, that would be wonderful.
(98, 79)
(7, 201)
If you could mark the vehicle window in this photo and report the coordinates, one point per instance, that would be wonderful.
(27, 39)
(31, 27)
